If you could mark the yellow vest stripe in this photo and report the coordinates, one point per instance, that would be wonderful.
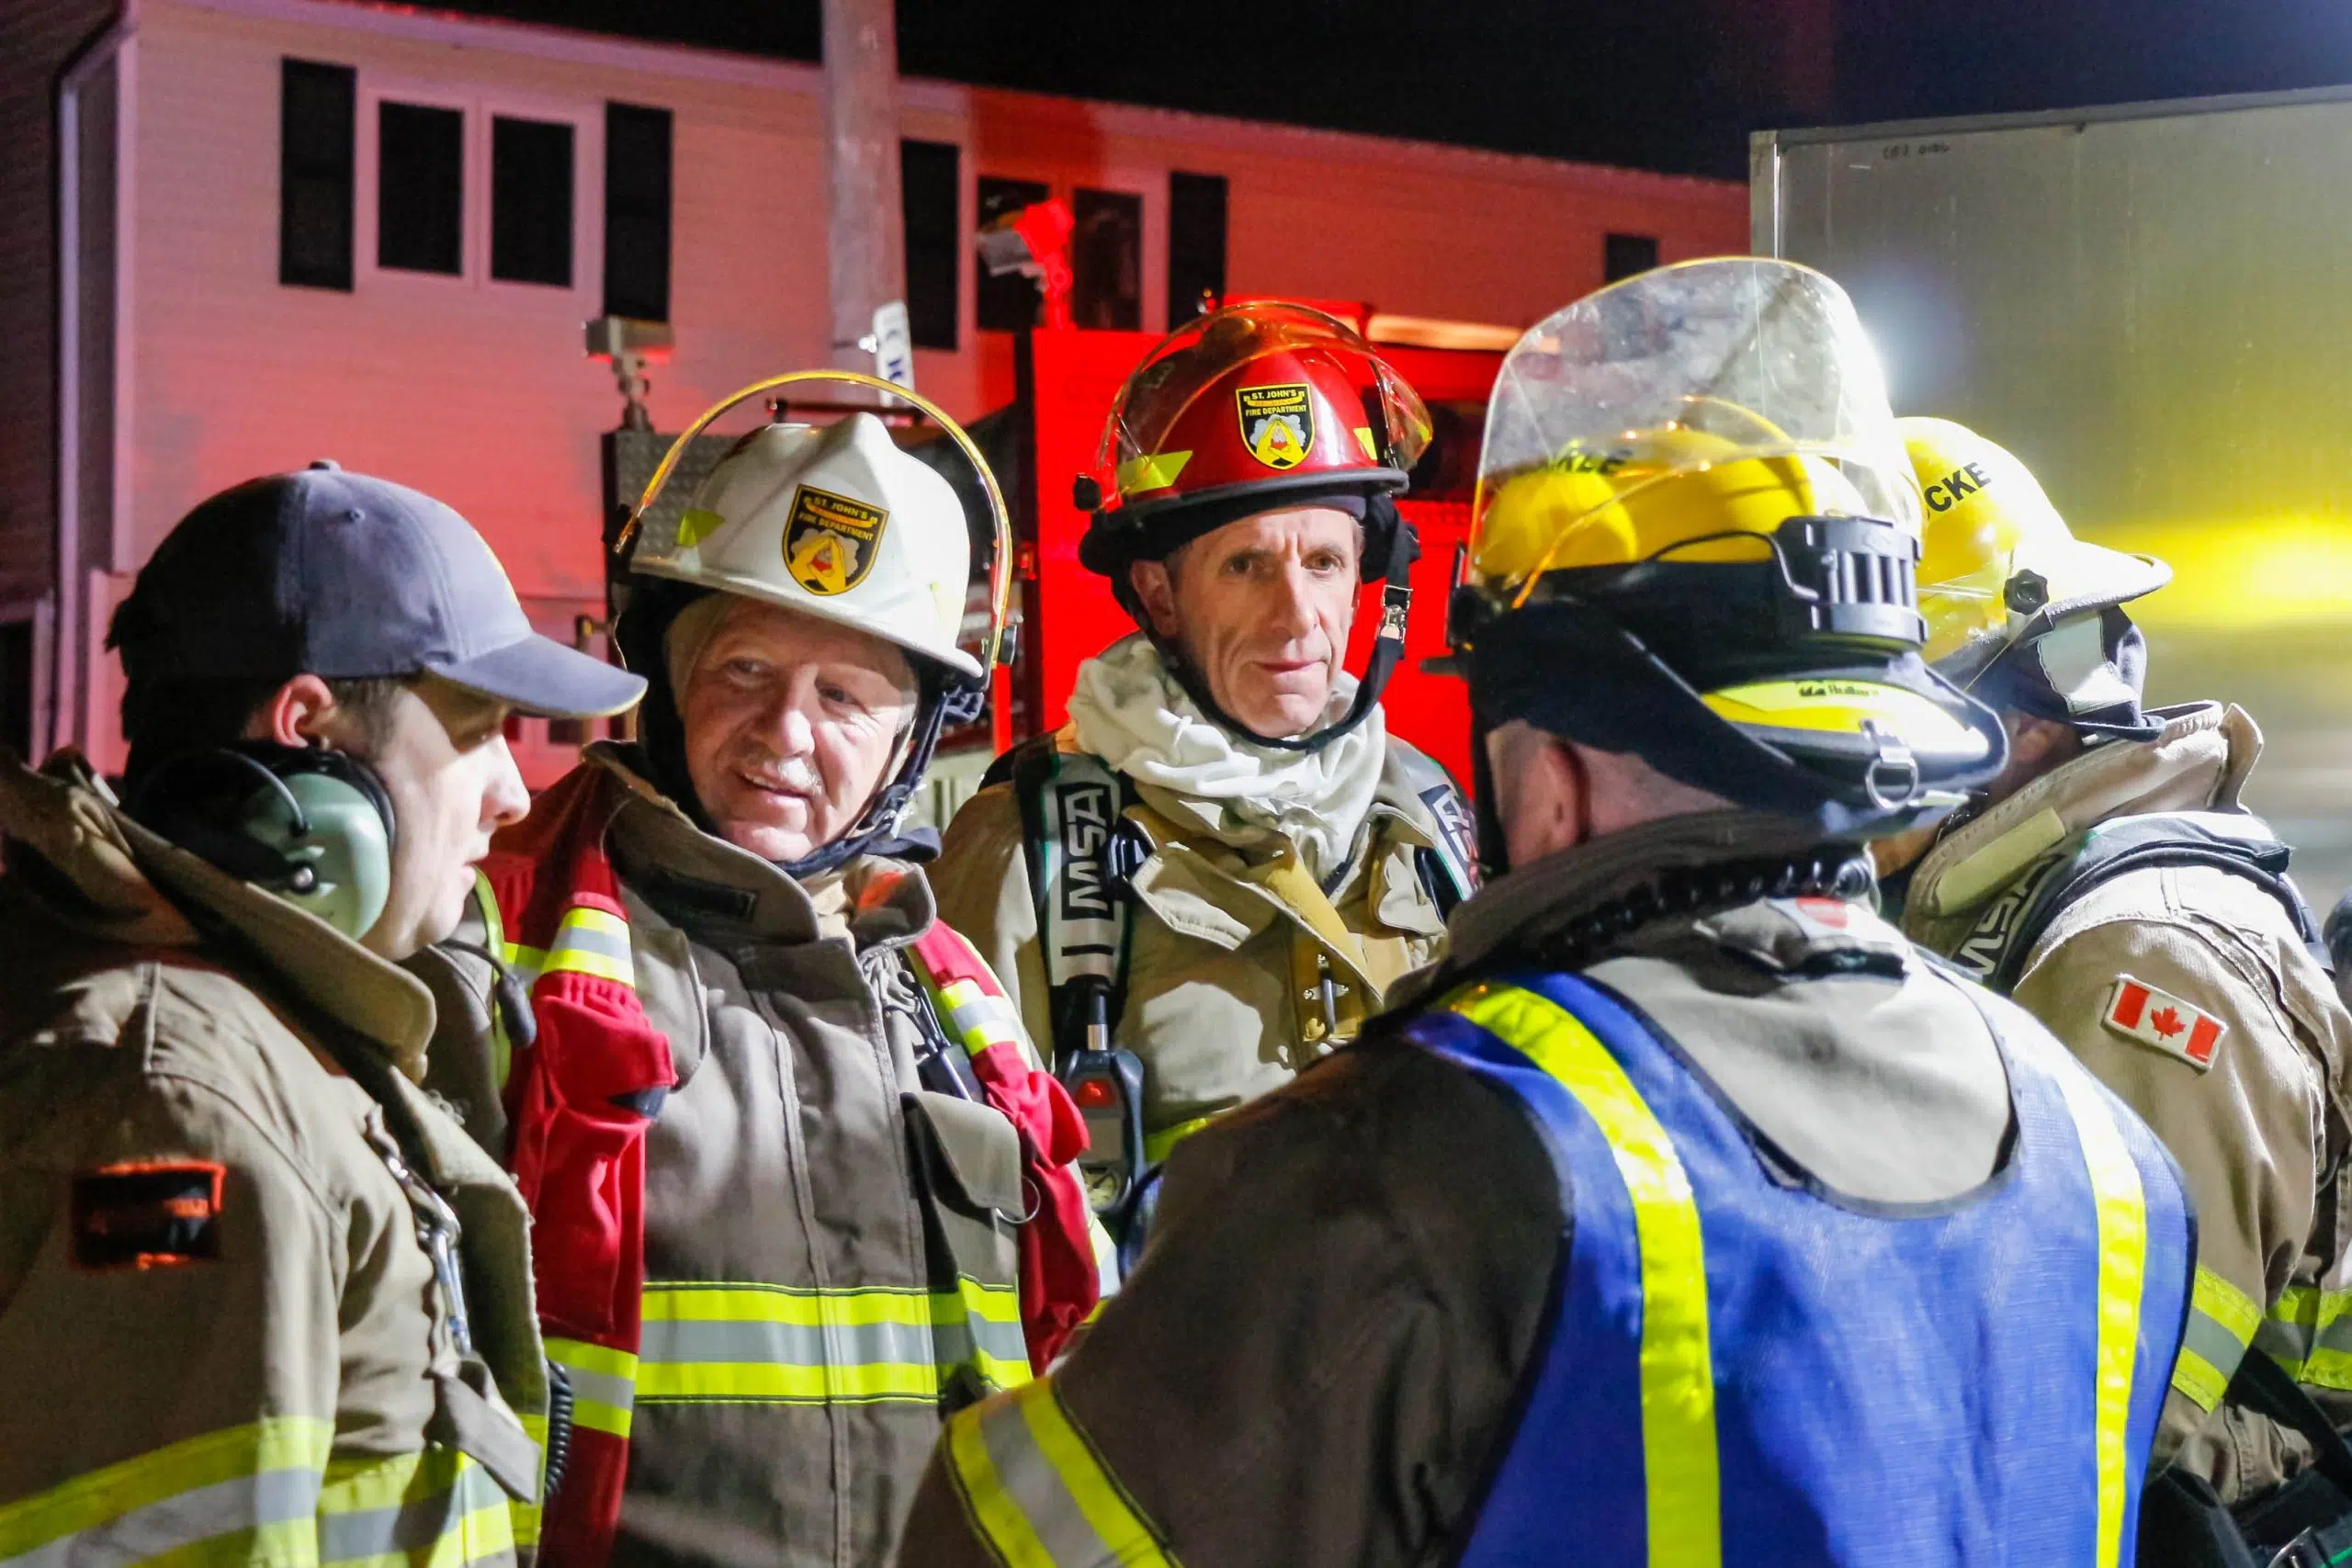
(2122, 1209)
(259, 1484)
(1679, 1449)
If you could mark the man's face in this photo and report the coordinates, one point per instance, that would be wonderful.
(1261, 609)
(442, 755)
(790, 724)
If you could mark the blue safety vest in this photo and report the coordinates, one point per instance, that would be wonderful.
(1743, 1372)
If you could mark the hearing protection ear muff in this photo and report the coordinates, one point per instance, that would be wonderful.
(314, 827)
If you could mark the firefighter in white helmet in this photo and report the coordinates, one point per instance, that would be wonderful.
(2111, 881)
(799, 1183)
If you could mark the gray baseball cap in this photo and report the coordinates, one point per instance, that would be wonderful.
(324, 572)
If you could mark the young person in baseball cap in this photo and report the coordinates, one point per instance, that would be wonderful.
(282, 1292)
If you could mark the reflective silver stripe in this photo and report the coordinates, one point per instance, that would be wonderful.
(987, 1016)
(2212, 1341)
(1037, 1492)
(785, 1344)
(603, 1387)
(1003, 1341)
(227, 1507)
(2288, 1343)
(413, 1525)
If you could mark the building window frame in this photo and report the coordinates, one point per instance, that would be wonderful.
(586, 119)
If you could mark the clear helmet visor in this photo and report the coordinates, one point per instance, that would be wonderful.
(1698, 401)
(1200, 359)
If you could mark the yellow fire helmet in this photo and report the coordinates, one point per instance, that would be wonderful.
(1695, 538)
(2000, 565)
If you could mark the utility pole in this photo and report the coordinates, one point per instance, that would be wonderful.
(866, 225)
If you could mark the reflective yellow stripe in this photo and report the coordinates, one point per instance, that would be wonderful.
(434, 1510)
(1158, 1146)
(493, 940)
(604, 1384)
(1155, 470)
(994, 1515)
(526, 1515)
(2309, 1332)
(1679, 1453)
(2121, 1206)
(982, 1021)
(587, 942)
(2221, 1322)
(246, 1495)
(1035, 1489)
(765, 1343)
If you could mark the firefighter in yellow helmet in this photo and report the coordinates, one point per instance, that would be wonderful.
(2110, 881)
(1686, 1215)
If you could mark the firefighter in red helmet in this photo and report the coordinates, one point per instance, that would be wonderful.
(1214, 872)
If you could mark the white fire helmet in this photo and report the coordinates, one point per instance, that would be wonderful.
(833, 521)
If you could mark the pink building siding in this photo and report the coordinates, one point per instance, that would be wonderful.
(478, 391)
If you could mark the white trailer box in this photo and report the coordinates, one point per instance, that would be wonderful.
(2151, 305)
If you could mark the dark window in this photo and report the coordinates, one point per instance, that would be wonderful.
(637, 213)
(1623, 255)
(928, 185)
(1106, 261)
(315, 174)
(530, 201)
(16, 686)
(1196, 244)
(1009, 302)
(420, 188)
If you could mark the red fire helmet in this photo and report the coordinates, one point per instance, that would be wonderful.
(1235, 411)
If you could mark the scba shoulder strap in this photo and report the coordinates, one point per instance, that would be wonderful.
(1081, 858)
(1450, 871)
(2242, 844)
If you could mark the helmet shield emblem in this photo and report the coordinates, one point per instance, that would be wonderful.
(830, 542)
(1277, 423)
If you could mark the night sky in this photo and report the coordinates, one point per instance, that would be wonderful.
(1668, 84)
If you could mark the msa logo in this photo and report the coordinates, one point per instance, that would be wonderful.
(1980, 953)
(1086, 843)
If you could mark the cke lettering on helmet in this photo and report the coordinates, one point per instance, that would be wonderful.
(830, 540)
(1602, 463)
(1946, 492)
(1277, 422)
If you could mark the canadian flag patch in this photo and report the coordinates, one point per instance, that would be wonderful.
(2137, 1010)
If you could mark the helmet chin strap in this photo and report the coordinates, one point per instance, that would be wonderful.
(1388, 648)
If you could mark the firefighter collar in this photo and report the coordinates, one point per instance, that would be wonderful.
(1549, 894)
(698, 879)
(155, 892)
(2198, 762)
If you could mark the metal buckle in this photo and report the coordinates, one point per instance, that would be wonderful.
(437, 1232)
(1895, 760)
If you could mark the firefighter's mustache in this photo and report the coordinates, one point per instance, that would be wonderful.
(783, 775)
